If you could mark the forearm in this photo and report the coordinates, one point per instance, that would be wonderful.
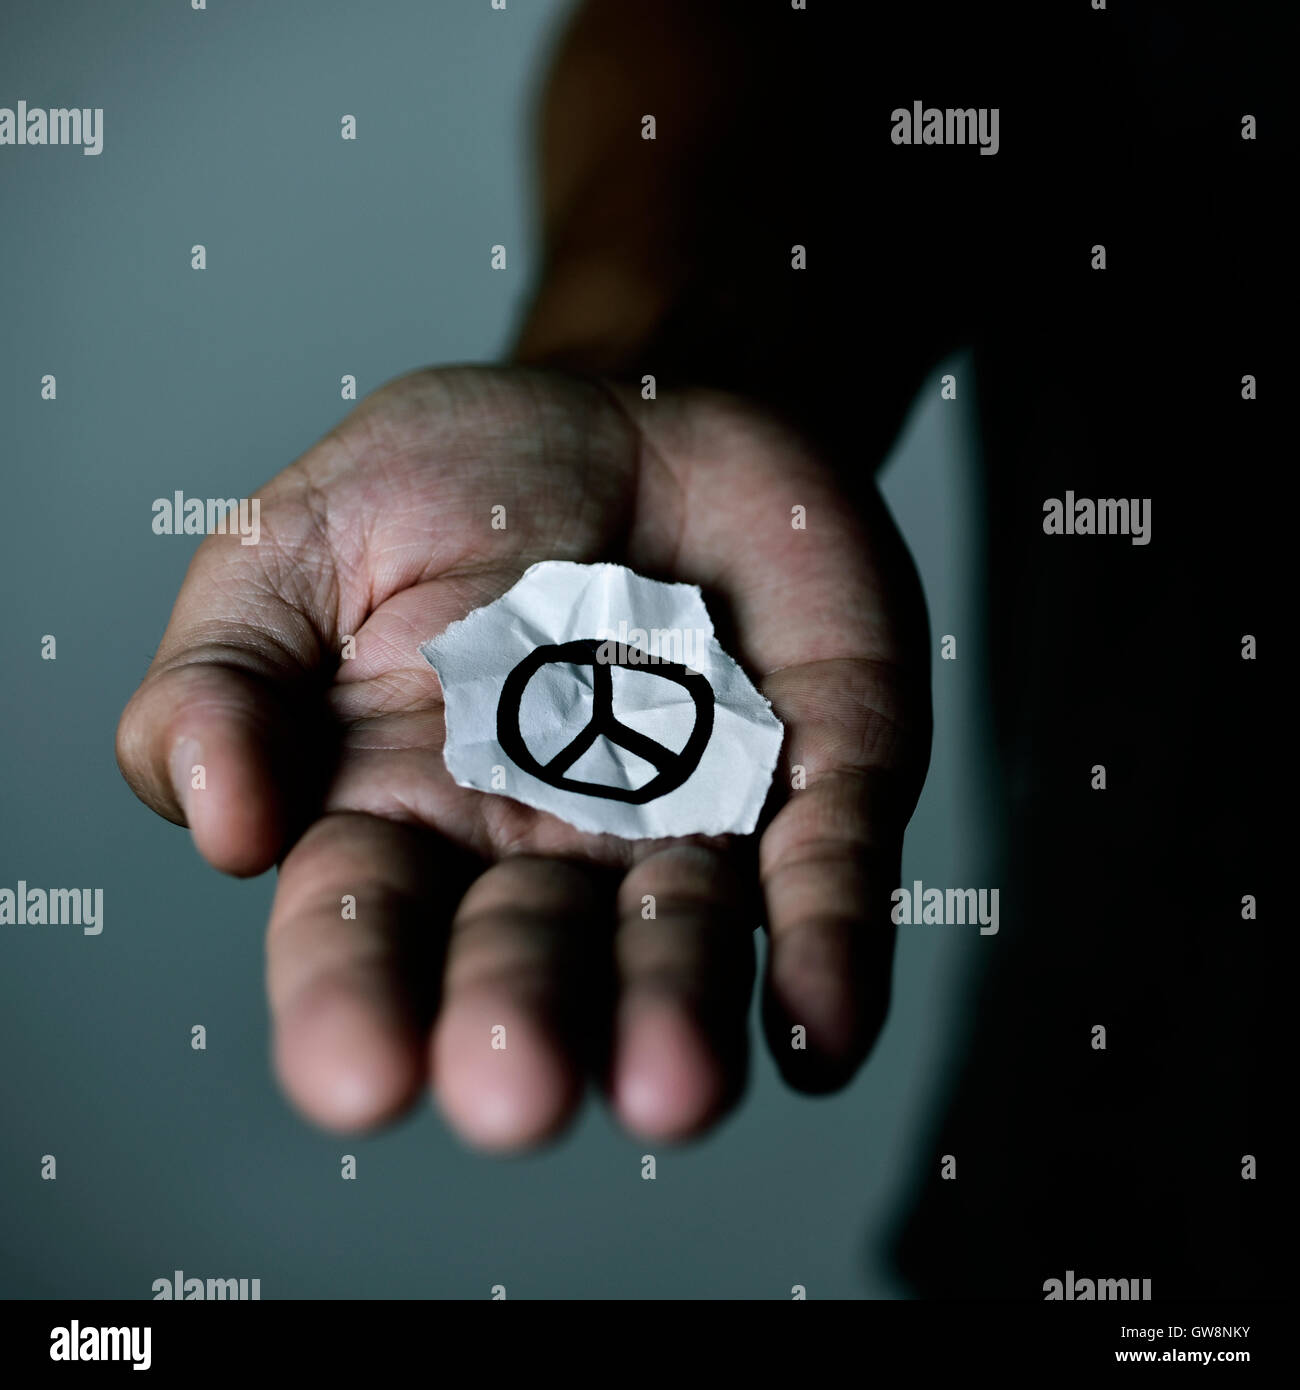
(676, 257)
(649, 248)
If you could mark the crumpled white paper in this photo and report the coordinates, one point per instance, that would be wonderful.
(604, 697)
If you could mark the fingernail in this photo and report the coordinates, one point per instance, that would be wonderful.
(184, 759)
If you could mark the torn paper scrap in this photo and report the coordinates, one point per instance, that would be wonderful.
(604, 697)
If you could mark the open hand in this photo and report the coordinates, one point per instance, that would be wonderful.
(474, 910)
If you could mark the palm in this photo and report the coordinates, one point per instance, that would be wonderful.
(384, 532)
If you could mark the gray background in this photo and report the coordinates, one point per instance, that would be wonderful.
(326, 257)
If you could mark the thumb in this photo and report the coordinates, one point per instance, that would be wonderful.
(227, 734)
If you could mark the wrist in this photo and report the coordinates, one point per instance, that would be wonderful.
(598, 313)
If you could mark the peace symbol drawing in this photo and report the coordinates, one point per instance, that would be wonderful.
(672, 768)
(614, 737)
